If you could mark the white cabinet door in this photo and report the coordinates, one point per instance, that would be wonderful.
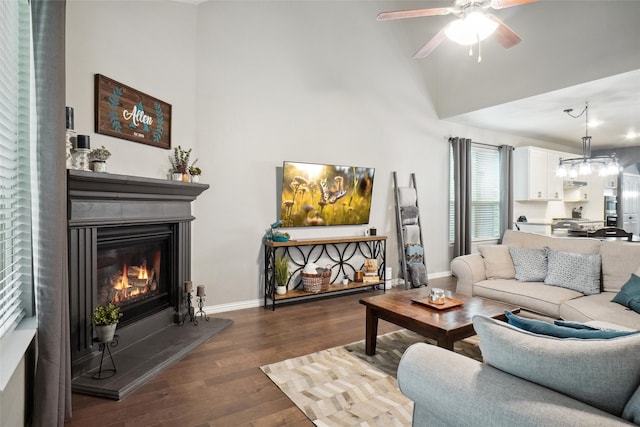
(554, 184)
(534, 171)
(631, 203)
(535, 228)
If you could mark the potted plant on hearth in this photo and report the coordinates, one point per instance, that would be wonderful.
(180, 163)
(195, 173)
(282, 274)
(105, 319)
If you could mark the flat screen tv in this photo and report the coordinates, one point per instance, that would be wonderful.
(320, 195)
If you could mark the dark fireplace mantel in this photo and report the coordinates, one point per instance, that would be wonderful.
(108, 199)
(103, 201)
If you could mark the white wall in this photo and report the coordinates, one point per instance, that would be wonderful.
(149, 46)
(256, 83)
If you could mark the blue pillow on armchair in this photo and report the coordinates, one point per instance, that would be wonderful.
(629, 294)
(567, 330)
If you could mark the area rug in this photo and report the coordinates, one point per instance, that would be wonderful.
(342, 386)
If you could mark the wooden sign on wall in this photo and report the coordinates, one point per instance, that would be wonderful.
(127, 113)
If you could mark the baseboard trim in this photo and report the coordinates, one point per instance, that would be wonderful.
(241, 305)
(232, 306)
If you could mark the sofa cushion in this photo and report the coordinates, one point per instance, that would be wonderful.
(580, 272)
(560, 329)
(599, 307)
(629, 295)
(530, 264)
(523, 239)
(631, 410)
(497, 261)
(602, 373)
(619, 260)
(533, 296)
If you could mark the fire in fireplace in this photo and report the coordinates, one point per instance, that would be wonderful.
(133, 269)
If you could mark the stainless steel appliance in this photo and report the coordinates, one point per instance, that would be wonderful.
(574, 226)
(610, 205)
(612, 220)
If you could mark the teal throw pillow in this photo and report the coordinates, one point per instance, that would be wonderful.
(629, 294)
(563, 331)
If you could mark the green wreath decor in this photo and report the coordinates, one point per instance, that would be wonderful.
(114, 102)
(157, 134)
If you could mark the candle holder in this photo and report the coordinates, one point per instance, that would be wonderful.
(200, 311)
(190, 311)
(82, 159)
(68, 146)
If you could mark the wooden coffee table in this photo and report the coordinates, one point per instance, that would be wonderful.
(444, 326)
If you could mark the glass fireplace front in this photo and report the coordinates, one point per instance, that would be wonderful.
(133, 270)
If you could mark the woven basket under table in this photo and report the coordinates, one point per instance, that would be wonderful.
(312, 282)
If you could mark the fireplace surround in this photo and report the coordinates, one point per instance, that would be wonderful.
(121, 228)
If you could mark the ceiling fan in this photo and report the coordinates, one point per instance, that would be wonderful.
(473, 24)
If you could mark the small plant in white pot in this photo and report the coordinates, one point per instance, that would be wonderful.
(105, 319)
(195, 173)
(282, 274)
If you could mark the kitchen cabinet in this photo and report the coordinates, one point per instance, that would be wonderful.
(577, 194)
(534, 227)
(535, 174)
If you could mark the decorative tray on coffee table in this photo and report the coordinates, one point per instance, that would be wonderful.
(448, 302)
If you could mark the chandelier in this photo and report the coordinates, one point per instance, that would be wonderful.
(587, 164)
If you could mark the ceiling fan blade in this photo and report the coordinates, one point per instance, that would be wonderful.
(431, 44)
(501, 4)
(505, 35)
(415, 13)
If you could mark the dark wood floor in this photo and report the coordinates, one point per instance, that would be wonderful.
(220, 383)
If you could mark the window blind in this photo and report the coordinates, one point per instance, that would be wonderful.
(15, 146)
(485, 193)
(485, 196)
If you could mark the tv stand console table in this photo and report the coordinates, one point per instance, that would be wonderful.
(345, 255)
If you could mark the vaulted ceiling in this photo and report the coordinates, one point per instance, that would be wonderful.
(572, 52)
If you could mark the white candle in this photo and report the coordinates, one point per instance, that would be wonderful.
(200, 291)
(188, 286)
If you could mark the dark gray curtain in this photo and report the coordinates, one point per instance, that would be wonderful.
(506, 188)
(462, 200)
(52, 400)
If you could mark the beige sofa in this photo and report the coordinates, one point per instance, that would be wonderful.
(490, 276)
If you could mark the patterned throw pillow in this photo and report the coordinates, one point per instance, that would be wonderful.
(578, 272)
(530, 264)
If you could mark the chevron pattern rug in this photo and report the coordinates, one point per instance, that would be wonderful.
(342, 386)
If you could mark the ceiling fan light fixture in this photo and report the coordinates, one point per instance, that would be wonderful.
(474, 27)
